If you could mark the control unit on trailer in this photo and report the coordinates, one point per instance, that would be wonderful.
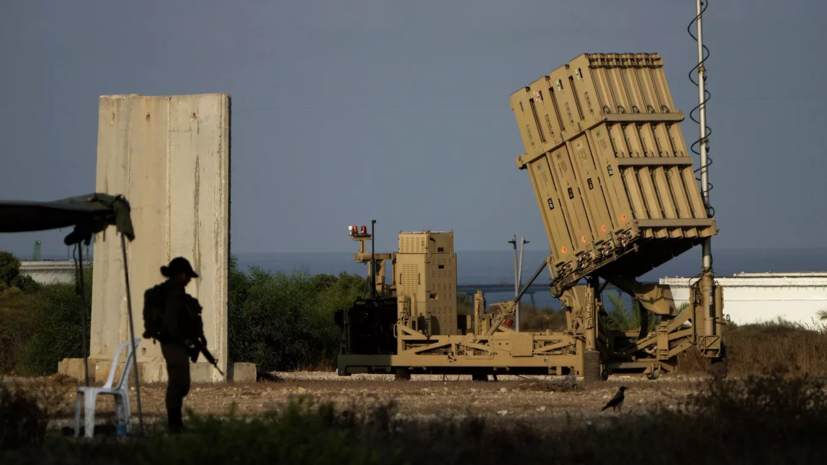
(616, 189)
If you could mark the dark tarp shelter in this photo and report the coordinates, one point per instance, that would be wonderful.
(88, 215)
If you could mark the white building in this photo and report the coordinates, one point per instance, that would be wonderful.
(757, 297)
(50, 271)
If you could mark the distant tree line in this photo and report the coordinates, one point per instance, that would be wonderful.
(284, 321)
(278, 321)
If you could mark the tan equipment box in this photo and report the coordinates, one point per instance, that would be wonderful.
(426, 268)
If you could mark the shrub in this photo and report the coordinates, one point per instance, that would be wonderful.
(10, 276)
(755, 348)
(283, 322)
(303, 433)
(25, 283)
(777, 344)
(465, 304)
(761, 419)
(14, 306)
(776, 404)
(540, 319)
(9, 268)
(22, 421)
(43, 327)
(621, 319)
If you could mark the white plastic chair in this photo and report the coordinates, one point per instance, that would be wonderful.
(120, 392)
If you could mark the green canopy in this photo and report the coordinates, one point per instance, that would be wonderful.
(89, 214)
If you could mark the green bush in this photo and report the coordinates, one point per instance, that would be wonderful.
(54, 324)
(41, 328)
(621, 319)
(9, 268)
(538, 319)
(284, 322)
(10, 275)
(25, 283)
(14, 306)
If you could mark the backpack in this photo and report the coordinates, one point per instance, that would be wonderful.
(153, 312)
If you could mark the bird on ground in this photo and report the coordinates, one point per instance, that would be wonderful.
(617, 400)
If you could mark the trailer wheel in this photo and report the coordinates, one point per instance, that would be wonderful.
(402, 374)
(604, 375)
(479, 377)
(655, 374)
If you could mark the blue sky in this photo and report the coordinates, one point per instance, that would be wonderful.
(345, 112)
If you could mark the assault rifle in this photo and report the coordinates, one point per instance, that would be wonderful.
(199, 346)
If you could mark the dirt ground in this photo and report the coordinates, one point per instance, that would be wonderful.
(534, 398)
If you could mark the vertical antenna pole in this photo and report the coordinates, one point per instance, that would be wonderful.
(707, 244)
(706, 280)
(523, 242)
(373, 259)
(516, 285)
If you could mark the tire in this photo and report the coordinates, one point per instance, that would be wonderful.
(655, 374)
(402, 374)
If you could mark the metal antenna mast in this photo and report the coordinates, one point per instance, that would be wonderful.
(707, 244)
(373, 259)
(707, 281)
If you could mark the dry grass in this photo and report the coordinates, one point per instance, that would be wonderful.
(750, 348)
(770, 419)
(754, 348)
(540, 319)
(757, 348)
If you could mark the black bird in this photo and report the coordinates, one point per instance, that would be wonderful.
(617, 400)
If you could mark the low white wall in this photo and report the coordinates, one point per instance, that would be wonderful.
(756, 297)
(50, 271)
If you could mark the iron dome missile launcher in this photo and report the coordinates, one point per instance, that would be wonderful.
(616, 189)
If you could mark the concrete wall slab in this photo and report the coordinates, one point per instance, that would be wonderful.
(170, 157)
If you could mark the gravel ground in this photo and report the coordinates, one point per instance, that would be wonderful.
(534, 398)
